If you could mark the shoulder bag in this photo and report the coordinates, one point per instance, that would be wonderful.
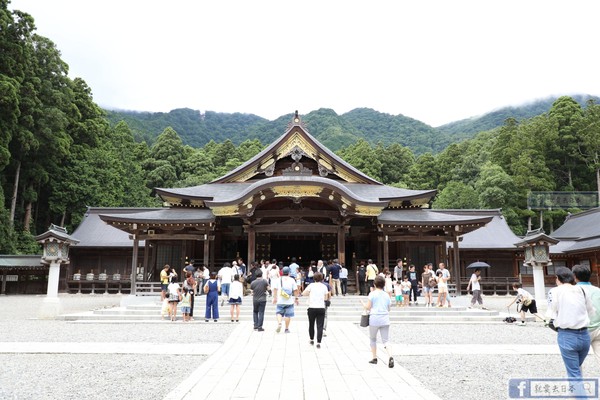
(364, 320)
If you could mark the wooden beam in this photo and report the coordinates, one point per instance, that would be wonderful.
(297, 214)
(172, 236)
(423, 238)
(296, 228)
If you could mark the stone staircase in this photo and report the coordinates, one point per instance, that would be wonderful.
(147, 309)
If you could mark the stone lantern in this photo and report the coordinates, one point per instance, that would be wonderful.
(536, 247)
(56, 244)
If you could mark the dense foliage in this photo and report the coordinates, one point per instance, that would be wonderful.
(335, 131)
(60, 153)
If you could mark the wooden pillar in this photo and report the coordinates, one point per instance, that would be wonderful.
(212, 254)
(341, 244)
(456, 265)
(251, 245)
(145, 262)
(183, 255)
(386, 252)
(379, 255)
(134, 261)
(3, 282)
(205, 258)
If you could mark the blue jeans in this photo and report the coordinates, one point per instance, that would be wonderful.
(574, 347)
(225, 289)
(258, 313)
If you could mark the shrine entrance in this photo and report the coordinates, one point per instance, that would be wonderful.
(304, 248)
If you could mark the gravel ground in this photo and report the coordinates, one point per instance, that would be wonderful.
(86, 376)
(485, 377)
(117, 376)
(93, 376)
(533, 333)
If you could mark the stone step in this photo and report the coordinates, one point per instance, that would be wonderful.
(344, 308)
(332, 311)
(224, 317)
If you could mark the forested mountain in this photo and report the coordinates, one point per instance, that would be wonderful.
(335, 131)
(60, 152)
(466, 128)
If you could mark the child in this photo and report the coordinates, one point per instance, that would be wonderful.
(186, 303)
(406, 286)
(300, 280)
(236, 291)
(388, 283)
(166, 309)
(526, 301)
(174, 297)
(398, 294)
(442, 289)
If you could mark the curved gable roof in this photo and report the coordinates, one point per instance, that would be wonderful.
(296, 136)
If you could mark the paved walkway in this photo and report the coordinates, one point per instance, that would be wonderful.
(267, 365)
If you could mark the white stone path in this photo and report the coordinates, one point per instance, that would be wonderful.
(267, 365)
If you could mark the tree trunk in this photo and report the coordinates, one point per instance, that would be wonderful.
(62, 220)
(27, 218)
(598, 184)
(13, 200)
(570, 178)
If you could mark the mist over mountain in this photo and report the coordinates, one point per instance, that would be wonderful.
(335, 131)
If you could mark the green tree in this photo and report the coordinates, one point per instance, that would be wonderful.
(423, 174)
(494, 186)
(396, 161)
(363, 157)
(197, 170)
(565, 154)
(457, 195)
(589, 132)
(248, 149)
(166, 160)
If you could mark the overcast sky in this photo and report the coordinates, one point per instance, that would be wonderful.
(435, 61)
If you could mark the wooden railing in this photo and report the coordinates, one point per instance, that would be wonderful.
(147, 288)
(91, 283)
(492, 286)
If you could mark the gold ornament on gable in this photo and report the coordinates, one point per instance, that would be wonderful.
(297, 191)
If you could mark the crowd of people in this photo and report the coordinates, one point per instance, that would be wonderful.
(404, 285)
(573, 306)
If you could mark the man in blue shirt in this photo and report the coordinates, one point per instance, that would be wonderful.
(334, 274)
(294, 268)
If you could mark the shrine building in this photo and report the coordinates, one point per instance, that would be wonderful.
(296, 198)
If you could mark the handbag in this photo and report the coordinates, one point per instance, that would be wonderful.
(364, 320)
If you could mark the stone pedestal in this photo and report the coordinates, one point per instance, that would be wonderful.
(539, 285)
(50, 308)
(53, 277)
